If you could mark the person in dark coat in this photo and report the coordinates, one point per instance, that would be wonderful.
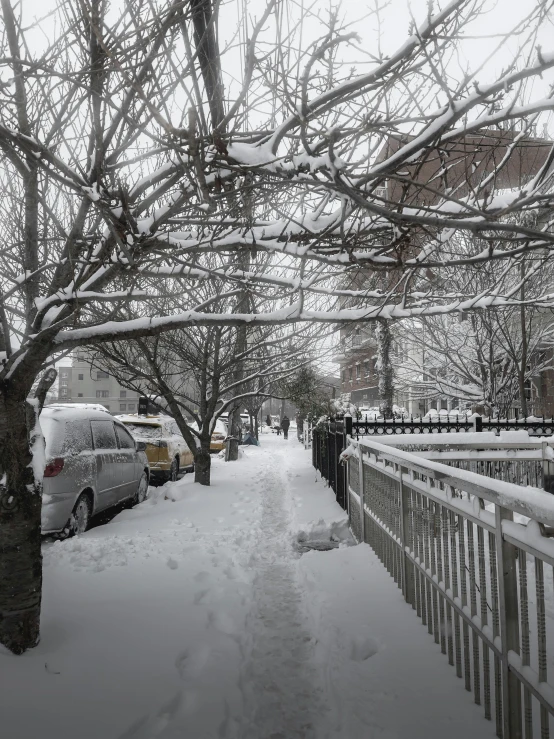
(268, 420)
(285, 423)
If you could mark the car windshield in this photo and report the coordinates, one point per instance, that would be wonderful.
(144, 430)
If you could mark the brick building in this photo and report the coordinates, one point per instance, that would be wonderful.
(458, 166)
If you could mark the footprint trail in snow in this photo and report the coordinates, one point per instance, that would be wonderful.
(280, 684)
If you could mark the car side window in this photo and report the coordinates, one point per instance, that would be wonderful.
(124, 437)
(103, 435)
(77, 437)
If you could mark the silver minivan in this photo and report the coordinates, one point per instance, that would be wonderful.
(92, 463)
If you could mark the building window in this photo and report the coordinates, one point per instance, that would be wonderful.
(344, 375)
(367, 368)
(123, 393)
(101, 375)
(350, 374)
(102, 393)
(63, 383)
(81, 377)
(64, 374)
(79, 395)
(358, 371)
(107, 406)
(122, 406)
(130, 407)
(63, 391)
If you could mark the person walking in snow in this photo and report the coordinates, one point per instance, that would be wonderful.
(285, 423)
(268, 421)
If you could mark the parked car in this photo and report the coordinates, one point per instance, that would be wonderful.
(219, 435)
(92, 463)
(167, 451)
(370, 414)
(400, 412)
(446, 415)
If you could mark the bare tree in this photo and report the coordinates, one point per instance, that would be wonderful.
(192, 373)
(125, 161)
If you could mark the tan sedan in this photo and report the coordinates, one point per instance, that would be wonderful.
(167, 451)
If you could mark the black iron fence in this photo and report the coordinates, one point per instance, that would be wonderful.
(328, 441)
(535, 426)
(329, 438)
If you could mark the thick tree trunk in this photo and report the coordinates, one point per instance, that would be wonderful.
(20, 540)
(384, 367)
(203, 463)
(235, 434)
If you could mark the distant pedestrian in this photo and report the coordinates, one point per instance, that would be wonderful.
(285, 423)
(268, 420)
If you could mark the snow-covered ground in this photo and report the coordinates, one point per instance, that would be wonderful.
(195, 615)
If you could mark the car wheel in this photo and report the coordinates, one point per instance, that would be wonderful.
(174, 471)
(142, 490)
(80, 518)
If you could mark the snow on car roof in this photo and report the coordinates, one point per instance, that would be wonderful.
(74, 412)
(145, 420)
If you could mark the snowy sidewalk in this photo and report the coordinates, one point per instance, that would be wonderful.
(195, 616)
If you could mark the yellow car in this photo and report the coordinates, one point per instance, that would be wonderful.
(219, 435)
(167, 451)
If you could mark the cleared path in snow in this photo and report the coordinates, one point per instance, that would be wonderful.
(283, 697)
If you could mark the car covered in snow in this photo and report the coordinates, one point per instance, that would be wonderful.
(219, 434)
(167, 451)
(369, 414)
(446, 415)
(92, 463)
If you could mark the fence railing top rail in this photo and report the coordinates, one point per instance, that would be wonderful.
(531, 502)
(484, 440)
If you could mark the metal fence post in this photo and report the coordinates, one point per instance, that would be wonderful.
(361, 491)
(509, 627)
(339, 472)
(547, 469)
(408, 585)
(347, 432)
(328, 451)
(478, 424)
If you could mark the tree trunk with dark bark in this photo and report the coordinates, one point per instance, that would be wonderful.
(20, 540)
(203, 462)
(20, 511)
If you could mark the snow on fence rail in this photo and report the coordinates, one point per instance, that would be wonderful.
(451, 424)
(474, 558)
(515, 462)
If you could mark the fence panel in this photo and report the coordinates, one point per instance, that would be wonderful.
(393, 426)
(474, 558)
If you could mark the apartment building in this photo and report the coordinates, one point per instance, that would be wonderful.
(460, 165)
(83, 383)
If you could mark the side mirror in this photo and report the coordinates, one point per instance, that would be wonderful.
(141, 446)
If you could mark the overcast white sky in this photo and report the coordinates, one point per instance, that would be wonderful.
(500, 17)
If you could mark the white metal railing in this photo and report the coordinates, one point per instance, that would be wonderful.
(474, 558)
(513, 456)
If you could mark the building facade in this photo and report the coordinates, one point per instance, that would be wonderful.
(83, 383)
(458, 166)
